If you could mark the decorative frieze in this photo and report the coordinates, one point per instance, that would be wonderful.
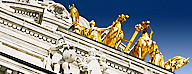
(27, 31)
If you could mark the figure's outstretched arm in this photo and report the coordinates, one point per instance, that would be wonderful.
(111, 25)
(102, 29)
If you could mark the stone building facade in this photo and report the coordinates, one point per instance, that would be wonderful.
(34, 39)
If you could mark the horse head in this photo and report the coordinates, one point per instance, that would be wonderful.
(122, 18)
(144, 26)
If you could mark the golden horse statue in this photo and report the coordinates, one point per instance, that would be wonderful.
(145, 45)
(172, 64)
(115, 35)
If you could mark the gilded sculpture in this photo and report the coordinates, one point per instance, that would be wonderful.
(175, 63)
(75, 19)
(172, 64)
(95, 32)
(115, 35)
(144, 45)
(74, 14)
(157, 56)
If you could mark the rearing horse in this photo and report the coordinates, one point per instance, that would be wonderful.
(144, 43)
(115, 35)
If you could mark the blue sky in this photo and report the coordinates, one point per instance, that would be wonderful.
(171, 21)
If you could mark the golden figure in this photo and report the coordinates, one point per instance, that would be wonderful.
(75, 19)
(171, 64)
(145, 45)
(115, 35)
(144, 42)
(157, 56)
(144, 26)
(175, 63)
(86, 31)
(95, 32)
(83, 29)
(74, 14)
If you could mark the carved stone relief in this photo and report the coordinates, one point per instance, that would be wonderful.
(62, 55)
(58, 10)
